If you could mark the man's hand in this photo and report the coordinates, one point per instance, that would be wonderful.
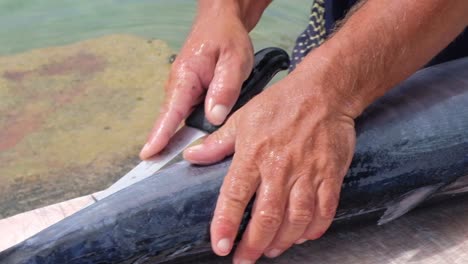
(292, 148)
(216, 58)
(294, 142)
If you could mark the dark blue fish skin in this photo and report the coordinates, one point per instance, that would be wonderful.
(413, 137)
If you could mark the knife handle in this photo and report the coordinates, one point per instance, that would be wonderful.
(268, 62)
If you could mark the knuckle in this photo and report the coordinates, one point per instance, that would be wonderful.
(238, 58)
(302, 194)
(224, 223)
(216, 137)
(327, 207)
(245, 61)
(276, 161)
(238, 192)
(178, 113)
(180, 67)
(331, 181)
(253, 149)
(321, 163)
(178, 63)
(184, 72)
(282, 161)
(269, 221)
(328, 210)
(252, 252)
(231, 55)
(300, 216)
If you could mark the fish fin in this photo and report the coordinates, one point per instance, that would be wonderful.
(407, 202)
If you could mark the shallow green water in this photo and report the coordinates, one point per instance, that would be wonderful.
(27, 24)
(30, 24)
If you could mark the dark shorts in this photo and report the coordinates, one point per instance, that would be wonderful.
(323, 18)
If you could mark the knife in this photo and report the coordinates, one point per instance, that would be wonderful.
(268, 62)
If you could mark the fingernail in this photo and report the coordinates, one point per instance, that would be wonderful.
(300, 241)
(224, 245)
(219, 113)
(273, 253)
(195, 148)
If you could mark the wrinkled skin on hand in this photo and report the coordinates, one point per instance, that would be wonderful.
(216, 58)
(292, 148)
(293, 144)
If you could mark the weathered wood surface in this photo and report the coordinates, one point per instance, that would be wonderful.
(432, 235)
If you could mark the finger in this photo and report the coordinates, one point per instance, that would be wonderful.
(184, 92)
(266, 219)
(327, 198)
(232, 69)
(299, 215)
(238, 188)
(216, 146)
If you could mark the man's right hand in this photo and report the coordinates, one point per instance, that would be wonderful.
(215, 59)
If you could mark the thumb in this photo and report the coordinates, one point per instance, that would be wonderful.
(230, 72)
(216, 146)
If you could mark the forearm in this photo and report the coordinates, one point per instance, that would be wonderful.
(249, 11)
(381, 44)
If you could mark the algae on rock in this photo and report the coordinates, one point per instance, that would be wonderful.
(73, 118)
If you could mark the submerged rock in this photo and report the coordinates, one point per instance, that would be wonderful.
(54, 105)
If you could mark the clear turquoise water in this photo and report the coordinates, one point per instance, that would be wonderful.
(27, 24)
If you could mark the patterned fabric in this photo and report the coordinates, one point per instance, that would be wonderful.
(325, 14)
(314, 35)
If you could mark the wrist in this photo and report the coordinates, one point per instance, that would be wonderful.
(247, 11)
(329, 80)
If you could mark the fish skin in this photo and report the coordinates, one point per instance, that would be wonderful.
(416, 136)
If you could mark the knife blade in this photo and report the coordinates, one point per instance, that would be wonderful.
(268, 62)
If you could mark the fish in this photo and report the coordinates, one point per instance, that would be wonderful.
(412, 148)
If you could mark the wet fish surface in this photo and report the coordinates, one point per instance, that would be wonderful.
(412, 145)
